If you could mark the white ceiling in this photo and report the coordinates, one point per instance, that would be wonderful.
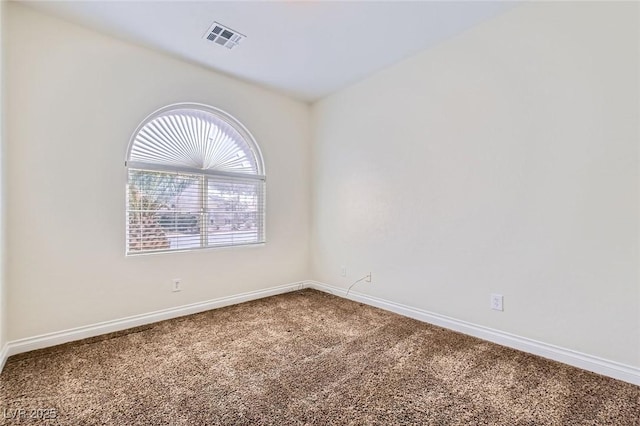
(306, 49)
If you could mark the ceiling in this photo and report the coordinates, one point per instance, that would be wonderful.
(306, 49)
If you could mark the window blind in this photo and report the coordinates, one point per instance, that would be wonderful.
(177, 211)
(194, 181)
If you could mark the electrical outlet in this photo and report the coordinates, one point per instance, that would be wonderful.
(177, 285)
(496, 302)
(343, 271)
(368, 278)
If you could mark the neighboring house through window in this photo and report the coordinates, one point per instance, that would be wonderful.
(195, 180)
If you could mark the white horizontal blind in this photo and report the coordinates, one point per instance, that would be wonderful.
(182, 211)
(234, 211)
(195, 180)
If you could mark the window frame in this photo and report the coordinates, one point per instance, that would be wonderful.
(204, 174)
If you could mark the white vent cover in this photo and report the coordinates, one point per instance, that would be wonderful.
(224, 36)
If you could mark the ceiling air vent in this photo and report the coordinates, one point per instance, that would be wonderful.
(224, 36)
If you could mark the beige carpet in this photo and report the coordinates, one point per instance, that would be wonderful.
(304, 358)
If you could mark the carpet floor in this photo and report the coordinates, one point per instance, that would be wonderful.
(304, 357)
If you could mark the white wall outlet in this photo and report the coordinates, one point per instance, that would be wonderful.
(496, 302)
(343, 271)
(368, 278)
(176, 285)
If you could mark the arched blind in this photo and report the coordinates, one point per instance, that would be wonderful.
(195, 180)
(195, 139)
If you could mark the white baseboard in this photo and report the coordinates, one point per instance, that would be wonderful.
(595, 364)
(65, 336)
(592, 363)
(4, 354)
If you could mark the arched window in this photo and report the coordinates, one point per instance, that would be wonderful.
(195, 180)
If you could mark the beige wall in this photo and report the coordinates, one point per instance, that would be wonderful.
(505, 160)
(3, 287)
(76, 97)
